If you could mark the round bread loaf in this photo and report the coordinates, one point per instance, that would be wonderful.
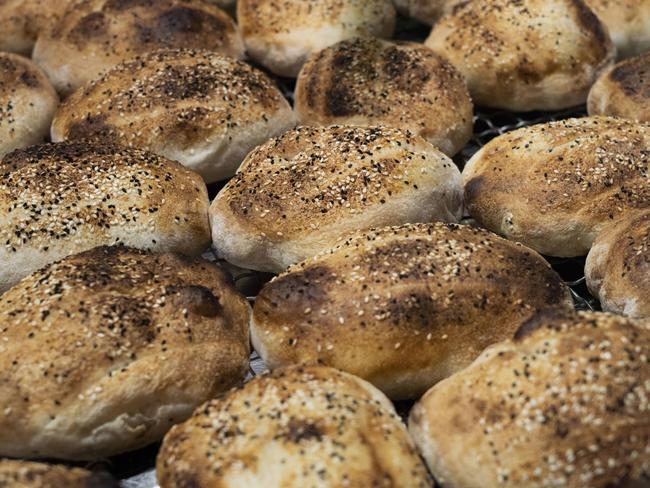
(296, 195)
(60, 199)
(21, 21)
(373, 82)
(563, 404)
(25, 474)
(427, 11)
(618, 266)
(554, 186)
(294, 428)
(628, 22)
(27, 103)
(95, 35)
(281, 34)
(105, 350)
(623, 91)
(200, 108)
(525, 54)
(403, 307)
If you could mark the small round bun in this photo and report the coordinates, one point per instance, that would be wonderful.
(27, 103)
(403, 307)
(563, 404)
(554, 186)
(623, 91)
(95, 35)
(25, 474)
(59, 199)
(628, 22)
(105, 350)
(293, 428)
(527, 54)
(426, 11)
(21, 21)
(618, 266)
(374, 82)
(200, 108)
(296, 195)
(281, 34)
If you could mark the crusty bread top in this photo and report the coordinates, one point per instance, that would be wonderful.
(553, 186)
(563, 404)
(85, 339)
(370, 81)
(25, 474)
(177, 98)
(628, 22)
(329, 172)
(21, 21)
(295, 427)
(624, 91)
(51, 192)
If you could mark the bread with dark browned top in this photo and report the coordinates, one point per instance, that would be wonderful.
(403, 307)
(366, 81)
(21, 21)
(564, 404)
(26, 474)
(554, 186)
(92, 36)
(293, 428)
(59, 199)
(297, 194)
(618, 266)
(623, 91)
(525, 55)
(103, 351)
(197, 107)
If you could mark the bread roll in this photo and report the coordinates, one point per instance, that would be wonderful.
(24, 474)
(95, 35)
(200, 108)
(21, 21)
(294, 428)
(296, 195)
(403, 307)
(59, 199)
(27, 103)
(525, 55)
(628, 22)
(554, 186)
(373, 82)
(618, 266)
(426, 11)
(623, 91)
(280, 35)
(105, 350)
(563, 404)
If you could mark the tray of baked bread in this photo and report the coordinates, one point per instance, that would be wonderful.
(324, 243)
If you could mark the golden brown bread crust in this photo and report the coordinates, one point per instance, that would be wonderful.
(104, 351)
(565, 404)
(525, 54)
(27, 103)
(364, 81)
(293, 428)
(628, 22)
(197, 107)
(21, 21)
(59, 199)
(403, 307)
(618, 266)
(623, 91)
(25, 474)
(95, 35)
(296, 195)
(281, 34)
(554, 186)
